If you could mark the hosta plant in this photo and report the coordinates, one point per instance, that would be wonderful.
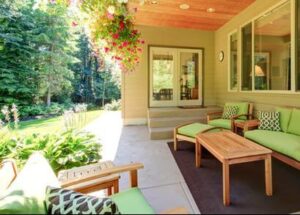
(64, 150)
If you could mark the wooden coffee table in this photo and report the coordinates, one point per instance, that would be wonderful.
(230, 148)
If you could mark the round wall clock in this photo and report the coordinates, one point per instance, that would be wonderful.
(221, 56)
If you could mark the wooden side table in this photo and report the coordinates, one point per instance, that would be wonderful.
(246, 125)
(111, 182)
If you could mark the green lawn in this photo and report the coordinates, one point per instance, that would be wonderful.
(51, 125)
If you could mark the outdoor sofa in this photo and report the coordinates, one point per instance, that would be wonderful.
(285, 144)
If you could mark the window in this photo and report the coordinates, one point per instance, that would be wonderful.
(298, 45)
(233, 63)
(266, 51)
(272, 57)
(247, 57)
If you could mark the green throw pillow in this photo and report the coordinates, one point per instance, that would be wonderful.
(229, 112)
(62, 201)
(285, 117)
(269, 121)
(294, 126)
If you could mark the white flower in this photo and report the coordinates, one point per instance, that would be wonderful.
(123, 1)
(111, 10)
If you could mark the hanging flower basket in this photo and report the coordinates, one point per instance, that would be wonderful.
(112, 30)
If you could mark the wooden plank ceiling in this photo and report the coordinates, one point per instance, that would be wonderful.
(167, 13)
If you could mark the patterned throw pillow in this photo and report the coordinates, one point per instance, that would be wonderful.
(62, 201)
(230, 111)
(269, 121)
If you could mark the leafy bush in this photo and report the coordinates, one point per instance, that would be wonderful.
(113, 106)
(64, 151)
(43, 110)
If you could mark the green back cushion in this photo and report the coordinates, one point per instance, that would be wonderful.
(132, 201)
(285, 116)
(242, 106)
(294, 126)
(27, 193)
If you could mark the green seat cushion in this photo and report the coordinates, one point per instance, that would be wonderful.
(193, 129)
(294, 126)
(223, 123)
(284, 143)
(28, 192)
(285, 116)
(132, 201)
(243, 108)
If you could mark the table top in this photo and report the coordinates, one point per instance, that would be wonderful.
(226, 145)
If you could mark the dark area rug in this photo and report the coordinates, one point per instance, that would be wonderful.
(247, 184)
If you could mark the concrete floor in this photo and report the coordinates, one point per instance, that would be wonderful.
(160, 181)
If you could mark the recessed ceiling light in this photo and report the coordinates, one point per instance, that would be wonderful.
(154, 2)
(211, 10)
(184, 6)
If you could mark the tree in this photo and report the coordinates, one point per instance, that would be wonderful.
(54, 51)
(18, 77)
(93, 84)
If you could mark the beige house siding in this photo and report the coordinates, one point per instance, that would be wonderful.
(261, 100)
(135, 85)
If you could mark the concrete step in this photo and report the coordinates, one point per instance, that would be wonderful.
(173, 121)
(180, 112)
(161, 133)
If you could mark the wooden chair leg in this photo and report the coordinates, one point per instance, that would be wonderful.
(134, 178)
(116, 186)
(109, 191)
(175, 140)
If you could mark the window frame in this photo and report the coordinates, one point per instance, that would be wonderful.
(236, 31)
(293, 51)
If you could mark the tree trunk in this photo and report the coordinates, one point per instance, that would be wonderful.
(49, 97)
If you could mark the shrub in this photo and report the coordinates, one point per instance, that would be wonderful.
(113, 106)
(64, 151)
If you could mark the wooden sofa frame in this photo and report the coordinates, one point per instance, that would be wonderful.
(8, 173)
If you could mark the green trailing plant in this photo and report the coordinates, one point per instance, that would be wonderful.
(64, 151)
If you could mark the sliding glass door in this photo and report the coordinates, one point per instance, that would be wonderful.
(175, 77)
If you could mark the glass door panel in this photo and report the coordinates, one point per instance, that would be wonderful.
(190, 77)
(163, 76)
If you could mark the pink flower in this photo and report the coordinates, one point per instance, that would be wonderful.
(134, 32)
(143, 42)
(125, 44)
(52, 1)
(114, 44)
(106, 49)
(116, 36)
(121, 25)
(110, 16)
(74, 24)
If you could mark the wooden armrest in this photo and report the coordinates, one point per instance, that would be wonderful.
(176, 211)
(238, 116)
(132, 168)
